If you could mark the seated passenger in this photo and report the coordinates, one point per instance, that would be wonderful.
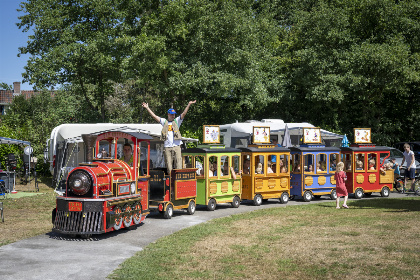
(269, 168)
(259, 170)
(127, 154)
(372, 164)
(246, 166)
(318, 167)
(333, 165)
(310, 168)
(359, 165)
(214, 169)
(283, 166)
(297, 168)
(211, 170)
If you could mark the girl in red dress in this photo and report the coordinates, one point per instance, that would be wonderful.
(340, 178)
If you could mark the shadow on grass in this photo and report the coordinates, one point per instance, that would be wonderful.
(388, 204)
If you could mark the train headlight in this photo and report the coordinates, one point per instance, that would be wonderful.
(133, 187)
(79, 182)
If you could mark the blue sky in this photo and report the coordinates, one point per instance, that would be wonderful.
(11, 38)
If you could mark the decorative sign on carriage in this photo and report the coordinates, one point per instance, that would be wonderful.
(211, 134)
(362, 135)
(312, 135)
(261, 134)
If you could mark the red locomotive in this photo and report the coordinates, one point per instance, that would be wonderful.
(112, 190)
(105, 193)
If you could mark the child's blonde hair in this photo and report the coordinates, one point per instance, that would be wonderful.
(340, 166)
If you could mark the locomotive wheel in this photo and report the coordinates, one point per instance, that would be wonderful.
(358, 193)
(169, 211)
(236, 202)
(191, 208)
(137, 213)
(333, 195)
(284, 198)
(211, 205)
(307, 196)
(385, 192)
(258, 200)
(118, 218)
(128, 218)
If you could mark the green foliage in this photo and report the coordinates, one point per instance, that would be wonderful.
(336, 64)
(5, 86)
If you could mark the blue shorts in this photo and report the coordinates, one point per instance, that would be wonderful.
(411, 174)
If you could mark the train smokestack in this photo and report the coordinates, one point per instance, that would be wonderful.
(89, 141)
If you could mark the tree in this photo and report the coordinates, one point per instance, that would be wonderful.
(80, 43)
(5, 86)
(218, 52)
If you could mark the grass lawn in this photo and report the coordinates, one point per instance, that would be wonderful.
(375, 239)
(27, 216)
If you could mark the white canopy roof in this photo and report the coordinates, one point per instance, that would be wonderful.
(277, 127)
(73, 132)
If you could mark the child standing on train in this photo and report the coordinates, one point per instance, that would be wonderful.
(341, 190)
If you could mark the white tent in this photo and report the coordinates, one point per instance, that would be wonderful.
(239, 134)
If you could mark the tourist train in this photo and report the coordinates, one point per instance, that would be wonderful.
(106, 193)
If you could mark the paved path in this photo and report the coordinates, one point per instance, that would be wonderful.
(55, 256)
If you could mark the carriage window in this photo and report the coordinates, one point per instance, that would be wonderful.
(213, 166)
(359, 162)
(246, 164)
(296, 163)
(187, 162)
(236, 161)
(271, 164)
(346, 159)
(259, 164)
(105, 148)
(372, 162)
(284, 164)
(145, 163)
(333, 162)
(199, 164)
(321, 163)
(309, 163)
(225, 166)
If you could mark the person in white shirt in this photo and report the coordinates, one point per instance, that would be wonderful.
(410, 172)
(171, 135)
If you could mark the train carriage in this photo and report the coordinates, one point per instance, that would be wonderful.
(266, 173)
(313, 167)
(173, 192)
(216, 182)
(364, 166)
(105, 193)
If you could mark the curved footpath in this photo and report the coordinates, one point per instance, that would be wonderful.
(55, 256)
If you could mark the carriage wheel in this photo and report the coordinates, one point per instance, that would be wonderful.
(385, 192)
(358, 193)
(333, 195)
(169, 211)
(236, 202)
(137, 213)
(307, 196)
(118, 218)
(258, 200)
(191, 207)
(284, 198)
(211, 205)
(128, 218)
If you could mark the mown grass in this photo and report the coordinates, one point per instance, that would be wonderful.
(375, 239)
(27, 216)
